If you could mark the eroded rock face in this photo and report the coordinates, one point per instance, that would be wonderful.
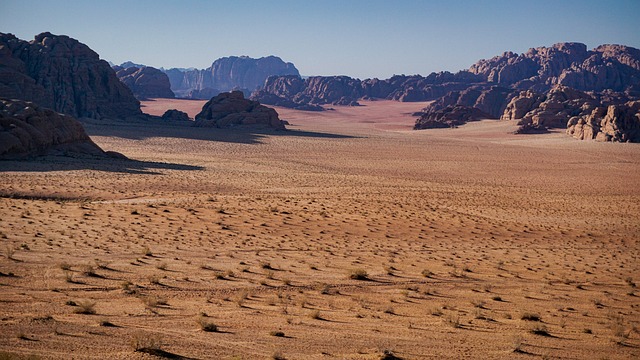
(521, 104)
(145, 82)
(613, 123)
(175, 115)
(556, 108)
(58, 72)
(28, 129)
(229, 73)
(232, 109)
(614, 67)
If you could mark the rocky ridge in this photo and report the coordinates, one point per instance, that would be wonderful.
(60, 73)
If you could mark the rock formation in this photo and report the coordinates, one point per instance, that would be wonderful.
(232, 109)
(612, 123)
(175, 115)
(449, 116)
(228, 73)
(28, 129)
(295, 92)
(145, 82)
(60, 73)
(549, 111)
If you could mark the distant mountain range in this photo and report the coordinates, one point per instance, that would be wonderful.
(593, 94)
(225, 74)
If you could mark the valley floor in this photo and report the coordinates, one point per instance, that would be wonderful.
(348, 236)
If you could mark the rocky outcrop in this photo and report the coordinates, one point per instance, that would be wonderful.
(449, 117)
(175, 115)
(490, 100)
(295, 92)
(232, 109)
(555, 109)
(145, 82)
(229, 73)
(60, 73)
(521, 104)
(613, 123)
(28, 129)
(614, 67)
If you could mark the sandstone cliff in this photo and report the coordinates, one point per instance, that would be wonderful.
(228, 73)
(60, 73)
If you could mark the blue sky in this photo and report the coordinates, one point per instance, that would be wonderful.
(349, 37)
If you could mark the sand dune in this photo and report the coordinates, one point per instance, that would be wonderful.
(469, 242)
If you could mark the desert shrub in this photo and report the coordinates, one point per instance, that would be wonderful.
(540, 330)
(86, 307)
(315, 315)
(453, 321)
(358, 274)
(143, 342)
(206, 324)
(531, 317)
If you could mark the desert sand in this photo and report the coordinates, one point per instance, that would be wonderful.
(350, 236)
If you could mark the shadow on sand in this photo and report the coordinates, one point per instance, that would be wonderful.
(68, 163)
(143, 129)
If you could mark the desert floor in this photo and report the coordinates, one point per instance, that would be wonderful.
(344, 238)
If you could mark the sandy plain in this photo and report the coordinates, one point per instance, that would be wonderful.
(347, 237)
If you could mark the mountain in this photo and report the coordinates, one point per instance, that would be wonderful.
(60, 73)
(228, 73)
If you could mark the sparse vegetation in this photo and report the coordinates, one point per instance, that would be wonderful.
(86, 307)
(206, 324)
(530, 317)
(358, 274)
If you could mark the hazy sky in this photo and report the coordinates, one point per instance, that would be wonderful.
(347, 37)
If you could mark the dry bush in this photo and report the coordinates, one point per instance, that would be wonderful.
(143, 342)
(358, 274)
(86, 307)
(530, 317)
(206, 324)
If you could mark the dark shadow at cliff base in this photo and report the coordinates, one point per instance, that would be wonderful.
(140, 130)
(69, 163)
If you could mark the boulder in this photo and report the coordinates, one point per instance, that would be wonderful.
(60, 73)
(620, 123)
(27, 129)
(175, 115)
(231, 109)
(146, 82)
